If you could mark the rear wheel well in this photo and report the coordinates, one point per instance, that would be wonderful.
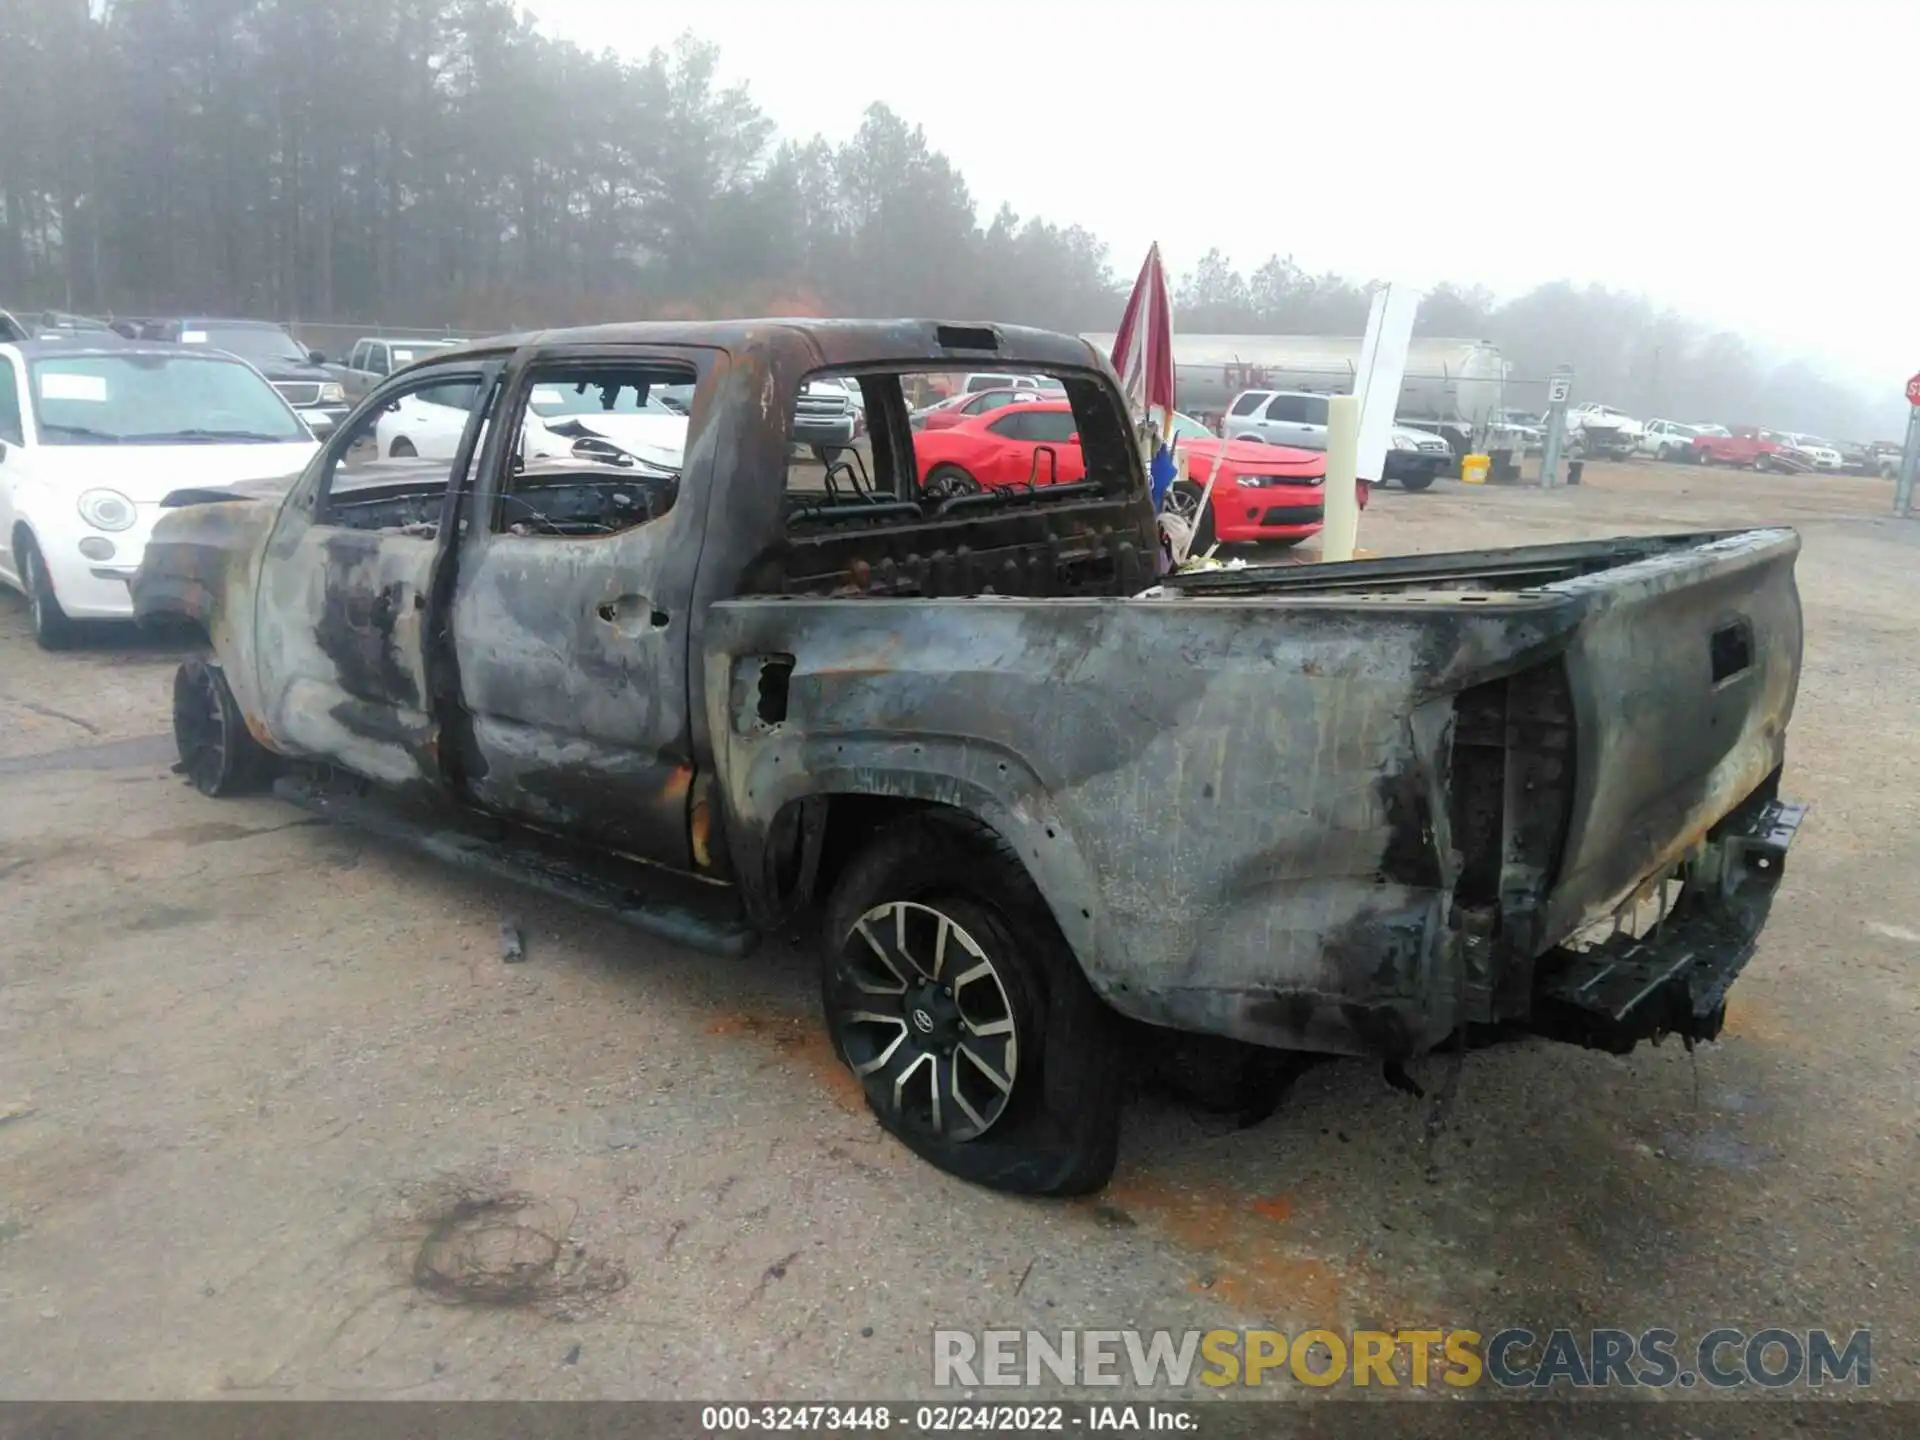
(852, 821)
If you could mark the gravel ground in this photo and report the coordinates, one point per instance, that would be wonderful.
(268, 1092)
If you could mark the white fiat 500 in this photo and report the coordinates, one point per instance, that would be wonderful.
(562, 420)
(92, 439)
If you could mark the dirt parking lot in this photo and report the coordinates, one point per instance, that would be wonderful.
(277, 1121)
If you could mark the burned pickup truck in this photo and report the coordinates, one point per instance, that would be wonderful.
(1039, 797)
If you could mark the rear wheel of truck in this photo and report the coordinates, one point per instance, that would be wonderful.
(402, 449)
(951, 994)
(217, 751)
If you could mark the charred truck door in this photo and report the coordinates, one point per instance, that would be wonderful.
(570, 607)
(347, 590)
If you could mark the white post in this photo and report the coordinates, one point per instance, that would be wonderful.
(1342, 525)
(1383, 364)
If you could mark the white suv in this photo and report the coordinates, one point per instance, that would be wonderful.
(1298, 418)
(1667, 440)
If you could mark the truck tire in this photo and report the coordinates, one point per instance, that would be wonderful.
(401, 449)
(951, 994)
(52, 629)
(1417, 481)
(218, 754)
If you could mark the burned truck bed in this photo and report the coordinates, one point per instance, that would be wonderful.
(1336, 808)
(1527, 567)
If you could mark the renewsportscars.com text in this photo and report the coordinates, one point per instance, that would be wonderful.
(1513, 1358)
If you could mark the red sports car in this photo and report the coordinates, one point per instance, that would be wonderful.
(1263, 494)
(1026, 442)
(952, 411)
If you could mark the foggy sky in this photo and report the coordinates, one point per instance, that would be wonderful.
(1744, 163)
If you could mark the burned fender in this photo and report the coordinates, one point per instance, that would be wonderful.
(200, 564)
(771, 769)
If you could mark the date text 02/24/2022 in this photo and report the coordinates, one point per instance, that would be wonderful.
(943, 1419)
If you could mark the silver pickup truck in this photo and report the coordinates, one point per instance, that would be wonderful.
(1046, 806)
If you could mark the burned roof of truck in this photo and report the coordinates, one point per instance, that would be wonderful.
(940, 343)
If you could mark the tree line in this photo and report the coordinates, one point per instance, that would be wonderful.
(440, 162)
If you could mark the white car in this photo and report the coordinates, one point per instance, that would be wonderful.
(93, 438)
(1821, 454)
(1667, 440)
(992, 380)
(562, 420)
(1298, 418)
(1603, 429)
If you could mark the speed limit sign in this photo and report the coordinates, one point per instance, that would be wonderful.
(1559, 386)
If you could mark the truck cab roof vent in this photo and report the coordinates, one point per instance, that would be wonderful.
(966, 337)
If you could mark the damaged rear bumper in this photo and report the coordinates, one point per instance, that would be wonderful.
(1674, 980)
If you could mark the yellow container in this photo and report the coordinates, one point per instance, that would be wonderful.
(1473, 469)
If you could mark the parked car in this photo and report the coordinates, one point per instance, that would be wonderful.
(992, 380)
(969, 403)
(1298, 418)
(297, 373)
(825, 417)
(1750, 448)
(1603, 432)
(1856, 457)
(65, 325)
(1049, 805)
(1822, 454)
(561, 420)
(1528, 428)
(1262, 494)
(374, 357)
(91, 438)
(1667, 440)
(1885, 459)
(856, 396)
(1024, 444)
(918, 415)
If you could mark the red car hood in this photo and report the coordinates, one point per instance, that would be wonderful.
(1251, 457)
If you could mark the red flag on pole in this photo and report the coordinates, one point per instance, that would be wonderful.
(1143, 348)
